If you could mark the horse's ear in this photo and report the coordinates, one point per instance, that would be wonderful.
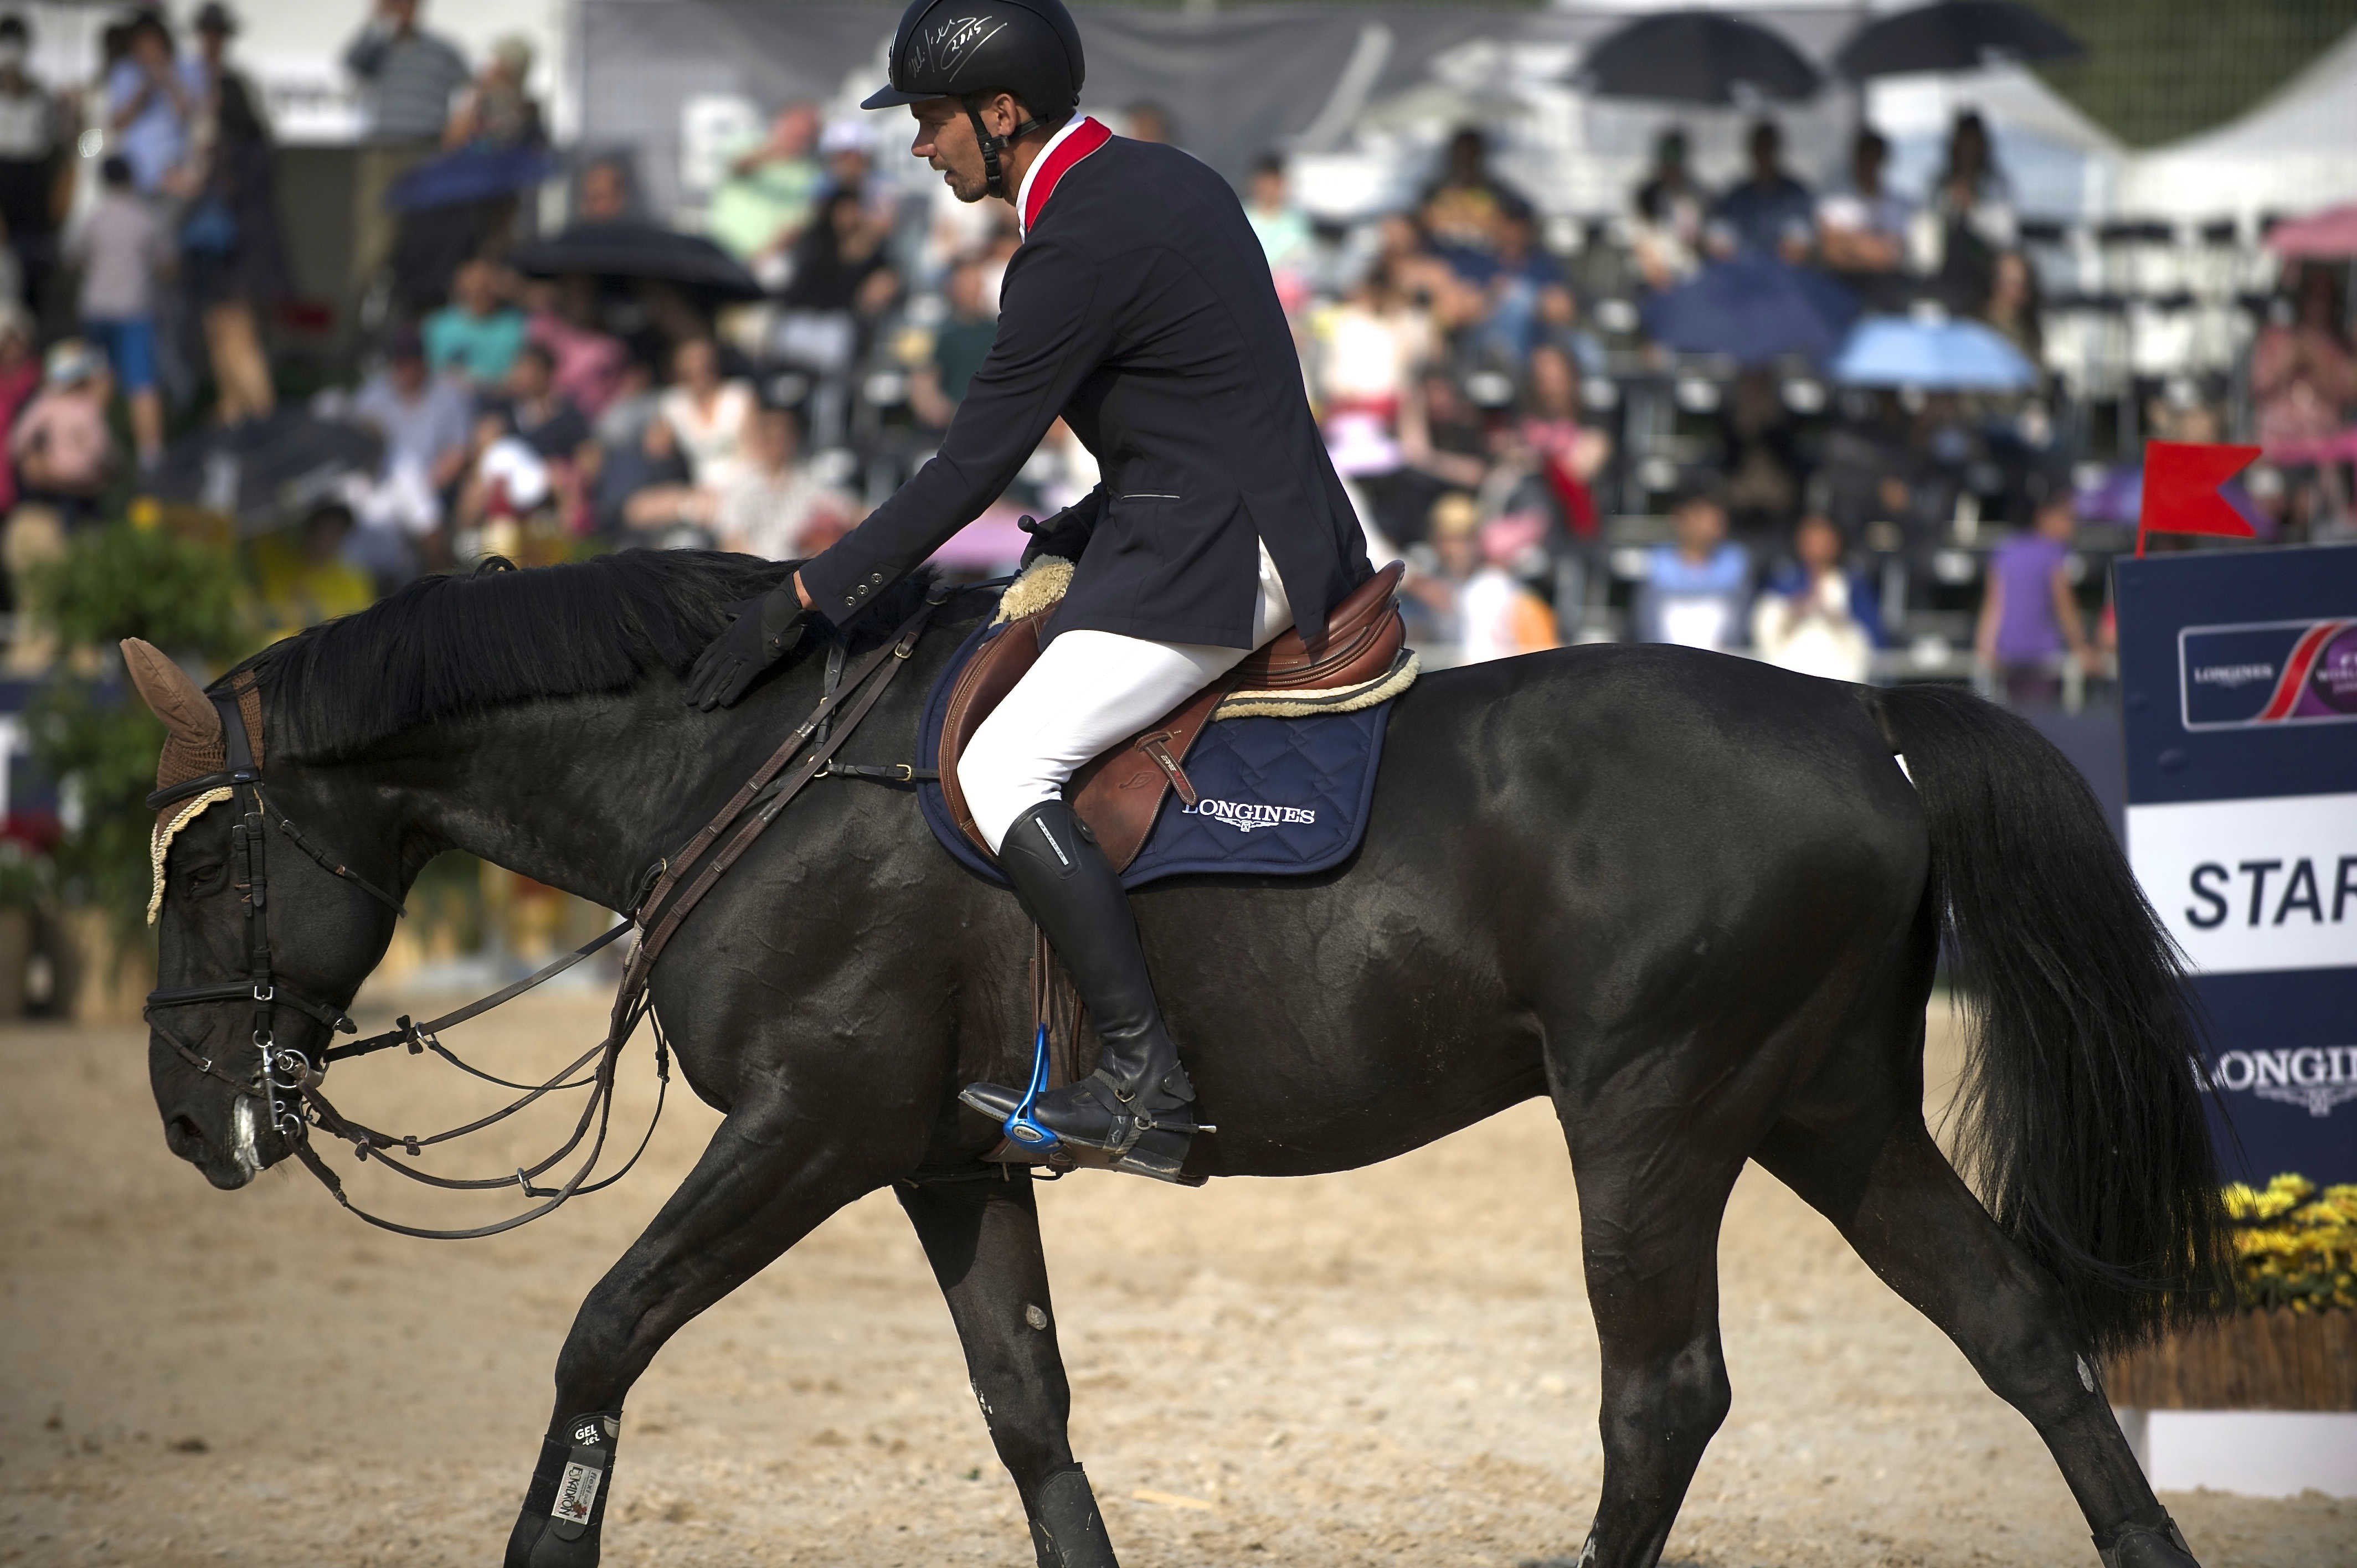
(170, 695)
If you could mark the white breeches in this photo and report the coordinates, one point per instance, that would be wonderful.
(1089, 690)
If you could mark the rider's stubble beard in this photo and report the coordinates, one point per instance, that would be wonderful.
(967, 187)
(961, 161)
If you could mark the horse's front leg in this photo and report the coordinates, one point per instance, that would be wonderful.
(753, 1194)
(982, 1240)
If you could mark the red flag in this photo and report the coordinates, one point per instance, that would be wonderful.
(2181, 490)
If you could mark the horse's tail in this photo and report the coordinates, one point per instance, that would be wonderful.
(2084, 1119)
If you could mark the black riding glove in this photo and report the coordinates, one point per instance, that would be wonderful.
(1062, 535)
(764, 631)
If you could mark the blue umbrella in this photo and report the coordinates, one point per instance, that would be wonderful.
(1753, 309)
(1939, 356)
(471, 174)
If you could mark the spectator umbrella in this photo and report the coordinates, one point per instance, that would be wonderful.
(267, 472)
(1937, 356)
(1697, 56)
(641, 252)
(471, 174)
(1754, 310)
(1951, 36)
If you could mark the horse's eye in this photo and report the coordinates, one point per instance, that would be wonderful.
(199, 880)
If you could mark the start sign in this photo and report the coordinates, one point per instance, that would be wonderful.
(2239, 677)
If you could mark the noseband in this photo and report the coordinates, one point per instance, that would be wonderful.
(289, 1081)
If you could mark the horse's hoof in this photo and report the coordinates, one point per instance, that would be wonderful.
(1066, 1529)
(532, 1544)
(2146, 1546)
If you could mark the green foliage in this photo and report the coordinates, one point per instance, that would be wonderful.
(90, 732)
(100, 747)
(24, 878)
(120, 581)
(2159, 70)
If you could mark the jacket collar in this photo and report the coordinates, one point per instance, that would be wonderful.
(1079, 137)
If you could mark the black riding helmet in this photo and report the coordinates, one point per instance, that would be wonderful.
(967, 49)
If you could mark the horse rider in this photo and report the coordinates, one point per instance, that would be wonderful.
(1140, 310)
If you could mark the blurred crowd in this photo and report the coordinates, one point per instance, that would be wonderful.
(1544, 417)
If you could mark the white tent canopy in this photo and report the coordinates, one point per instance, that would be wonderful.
(2295, 152)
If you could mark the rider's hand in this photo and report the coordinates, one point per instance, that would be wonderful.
(1060, 535)
(764, 631)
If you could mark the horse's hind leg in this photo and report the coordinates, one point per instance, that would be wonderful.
(1881, 1178)
(982, 1240)
(1650, 1203)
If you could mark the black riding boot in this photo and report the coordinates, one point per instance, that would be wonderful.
(1138, 1106)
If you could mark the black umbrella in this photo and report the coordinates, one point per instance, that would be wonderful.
(267, 472)
(1697, 56)
(1952, 34)
(630, 250)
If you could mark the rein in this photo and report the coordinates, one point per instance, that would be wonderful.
(667, 894)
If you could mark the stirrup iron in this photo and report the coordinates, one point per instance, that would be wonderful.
(1019, 1128)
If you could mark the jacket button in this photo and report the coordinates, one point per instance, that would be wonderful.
(875, 577)
(849, 600)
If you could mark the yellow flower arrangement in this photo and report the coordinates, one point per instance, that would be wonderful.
(2294, 1246)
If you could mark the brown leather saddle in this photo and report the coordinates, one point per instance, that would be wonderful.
(1119, 793)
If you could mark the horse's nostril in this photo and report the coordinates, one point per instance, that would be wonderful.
(181, 1134)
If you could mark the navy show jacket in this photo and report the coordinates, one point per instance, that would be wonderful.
(1140, 308)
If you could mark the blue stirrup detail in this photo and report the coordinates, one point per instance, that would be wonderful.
(1018, 1125)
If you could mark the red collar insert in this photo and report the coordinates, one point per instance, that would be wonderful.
(1086, 138)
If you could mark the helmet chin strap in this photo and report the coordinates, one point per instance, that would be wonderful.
(993, 175)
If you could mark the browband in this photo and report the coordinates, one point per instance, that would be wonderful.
(229, 779)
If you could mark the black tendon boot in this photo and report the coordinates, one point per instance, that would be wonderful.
(1066, 1530)
(564, 1509)
(1138, 1107)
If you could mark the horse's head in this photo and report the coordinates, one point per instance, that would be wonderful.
(261, 942)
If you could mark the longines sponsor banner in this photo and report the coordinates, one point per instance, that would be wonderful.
(2277, 673)
(2253, 885)
(2316, 1078)
(2238, 674)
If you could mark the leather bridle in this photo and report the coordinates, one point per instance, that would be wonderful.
(249, 840)
(289, 1081)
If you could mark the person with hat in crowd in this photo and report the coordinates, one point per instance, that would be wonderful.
(498, 111)
(1476, 608)
(1139, 309)
(63, 450)
(233, 253)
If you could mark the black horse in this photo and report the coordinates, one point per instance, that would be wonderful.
(1695, 901)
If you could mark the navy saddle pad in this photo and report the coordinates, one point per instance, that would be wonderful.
(1278, 797)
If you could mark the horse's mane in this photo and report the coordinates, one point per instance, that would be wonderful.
(446, 647)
